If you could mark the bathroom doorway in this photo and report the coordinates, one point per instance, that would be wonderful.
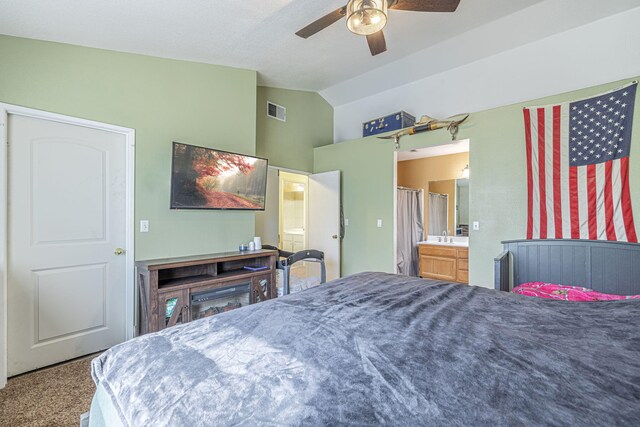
(431, 235)
(293, 205)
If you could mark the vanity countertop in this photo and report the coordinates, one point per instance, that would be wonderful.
(459, 242)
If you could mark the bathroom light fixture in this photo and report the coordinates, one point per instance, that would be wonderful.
(365, 17)
(465, 172)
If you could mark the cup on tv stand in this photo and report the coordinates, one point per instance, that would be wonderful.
(257, 243)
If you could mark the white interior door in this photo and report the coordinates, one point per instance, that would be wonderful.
(66, 220)
(324, 219)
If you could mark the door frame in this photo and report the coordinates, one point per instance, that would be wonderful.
(129, 134)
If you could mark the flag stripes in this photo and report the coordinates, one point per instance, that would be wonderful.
(578, 169)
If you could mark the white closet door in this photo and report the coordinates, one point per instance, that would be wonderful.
(66, 225)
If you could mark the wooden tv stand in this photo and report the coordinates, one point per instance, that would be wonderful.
(171, 290)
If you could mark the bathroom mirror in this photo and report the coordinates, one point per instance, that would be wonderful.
(447, 207)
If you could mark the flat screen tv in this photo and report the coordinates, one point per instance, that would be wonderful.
(204, 178)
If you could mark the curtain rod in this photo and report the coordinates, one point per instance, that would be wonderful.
(409, 189)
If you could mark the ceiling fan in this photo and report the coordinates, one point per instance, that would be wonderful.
(368, 17)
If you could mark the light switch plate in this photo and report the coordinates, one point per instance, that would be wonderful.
(476, 225)
(144, 225)
(379, 224)
(346, 222)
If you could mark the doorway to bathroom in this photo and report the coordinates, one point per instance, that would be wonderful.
(432, 212)
(293, 205)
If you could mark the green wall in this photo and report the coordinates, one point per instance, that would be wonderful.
(309, 124)
(497, 185)
(164, 101)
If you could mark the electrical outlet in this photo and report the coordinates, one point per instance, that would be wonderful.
(144, 225)
(476, 225)
(379, 224)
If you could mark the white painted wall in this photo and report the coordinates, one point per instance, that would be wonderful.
(587, 55)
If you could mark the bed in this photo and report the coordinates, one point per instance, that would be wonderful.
(608, 267)
(377, 348)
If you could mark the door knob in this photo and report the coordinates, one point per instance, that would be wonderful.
(335, 236)
(119, 251)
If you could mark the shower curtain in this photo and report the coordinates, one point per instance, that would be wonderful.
(438, 208)
(410, 229)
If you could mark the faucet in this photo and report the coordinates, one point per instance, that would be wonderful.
(445, 234)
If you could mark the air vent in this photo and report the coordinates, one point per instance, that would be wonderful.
(276, 111)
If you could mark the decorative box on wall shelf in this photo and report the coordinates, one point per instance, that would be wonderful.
(388, 123)
(179, 290)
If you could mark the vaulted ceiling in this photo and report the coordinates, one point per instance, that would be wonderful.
(259, 35)
(252, 34)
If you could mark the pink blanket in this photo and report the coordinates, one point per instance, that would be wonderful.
(566, 293)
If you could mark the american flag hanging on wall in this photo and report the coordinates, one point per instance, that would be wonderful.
(578, 168)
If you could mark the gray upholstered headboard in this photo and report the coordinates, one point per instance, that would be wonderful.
(611, 267)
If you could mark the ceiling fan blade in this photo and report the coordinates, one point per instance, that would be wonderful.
(322, 23)
(425, 5)
(377, 44)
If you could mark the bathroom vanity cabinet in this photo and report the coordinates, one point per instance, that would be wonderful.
(444, 262)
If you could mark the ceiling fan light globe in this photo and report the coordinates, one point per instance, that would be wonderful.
(366, 17)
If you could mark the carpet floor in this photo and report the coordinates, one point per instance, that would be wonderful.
(53, 396)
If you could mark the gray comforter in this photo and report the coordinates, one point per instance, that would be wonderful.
(377, 348)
